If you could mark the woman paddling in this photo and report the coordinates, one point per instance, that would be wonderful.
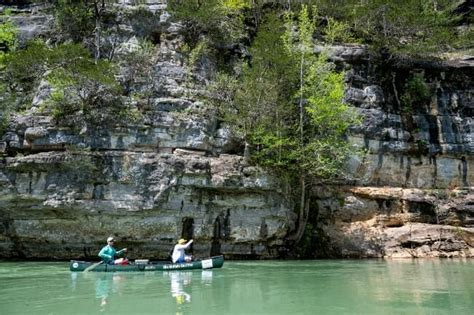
(108, 254)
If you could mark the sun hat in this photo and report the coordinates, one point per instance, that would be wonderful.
(182, 241)
(110, 239)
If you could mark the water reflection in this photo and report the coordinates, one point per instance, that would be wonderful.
(179, 281)
(180, 284)
(297, 287)
(106, 292)
(104, 285)
(302, 287)
(102, 288)
(206, 277)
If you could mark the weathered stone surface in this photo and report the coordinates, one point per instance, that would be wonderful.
(347, 53)
(179, 174)
(50, 199)
(399, 223)
(430, 146)
(31, 26)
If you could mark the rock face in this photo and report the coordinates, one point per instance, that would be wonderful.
(412, 193)
(395, 222)
(175, 174)
(147, 184)
(62, 205)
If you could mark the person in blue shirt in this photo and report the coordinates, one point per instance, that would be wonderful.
(108, 253)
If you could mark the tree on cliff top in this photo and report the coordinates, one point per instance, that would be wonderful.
(222, 20)
(413, 27)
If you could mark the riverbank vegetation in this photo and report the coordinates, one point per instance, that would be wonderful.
(283, 101)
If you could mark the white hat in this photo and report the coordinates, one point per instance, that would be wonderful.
(110, 239)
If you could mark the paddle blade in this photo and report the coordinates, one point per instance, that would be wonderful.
(92, 267)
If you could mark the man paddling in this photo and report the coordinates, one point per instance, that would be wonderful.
(178, 252)
(108, 254)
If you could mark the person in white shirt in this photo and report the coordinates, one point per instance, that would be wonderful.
(178, 255)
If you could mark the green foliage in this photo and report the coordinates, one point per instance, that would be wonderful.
(324, 118)
(219, 24)
(256, 103)
(307, 138)
(325, 91)
(275, 149)
(137, 72)
(85, 87)
(84, 90)
(75, 19)
(195, 56)
(415, 92)
(8, 43)
(300, 42)
(8, 34)
(338, 32)
(415, 27)
(326, 152)
(236, 4)
(201, 49)
(5, 107)
(88, 22)
(220, 20)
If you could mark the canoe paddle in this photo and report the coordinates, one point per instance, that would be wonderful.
(92, 267)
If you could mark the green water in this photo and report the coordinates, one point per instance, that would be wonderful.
(269, 287)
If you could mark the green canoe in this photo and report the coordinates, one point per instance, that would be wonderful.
(144, 265)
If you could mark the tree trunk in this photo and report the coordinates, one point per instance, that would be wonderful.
(301, 101)
(303, 213)
(97, 40)
(247, 152)
(97, 13)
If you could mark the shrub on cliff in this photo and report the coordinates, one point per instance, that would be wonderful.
(88, 22)
(84, 91)
(415, 92)
(8, 43)
(413, 27)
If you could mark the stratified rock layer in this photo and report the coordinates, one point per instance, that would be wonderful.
(413, 194)
(395, 222)
(176, 174)
(52, 208)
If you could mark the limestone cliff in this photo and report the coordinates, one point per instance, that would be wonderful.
(413, 195)
(178, 173)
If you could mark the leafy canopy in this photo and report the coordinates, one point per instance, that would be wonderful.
(286, 102)
(8, 44)
(83, 90)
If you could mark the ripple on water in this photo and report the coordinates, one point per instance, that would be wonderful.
(245, 287)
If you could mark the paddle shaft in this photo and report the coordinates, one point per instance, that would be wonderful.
(92, 267)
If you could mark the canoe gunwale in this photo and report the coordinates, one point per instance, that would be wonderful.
(207, 263)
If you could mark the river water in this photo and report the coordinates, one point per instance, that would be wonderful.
(249, 287)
